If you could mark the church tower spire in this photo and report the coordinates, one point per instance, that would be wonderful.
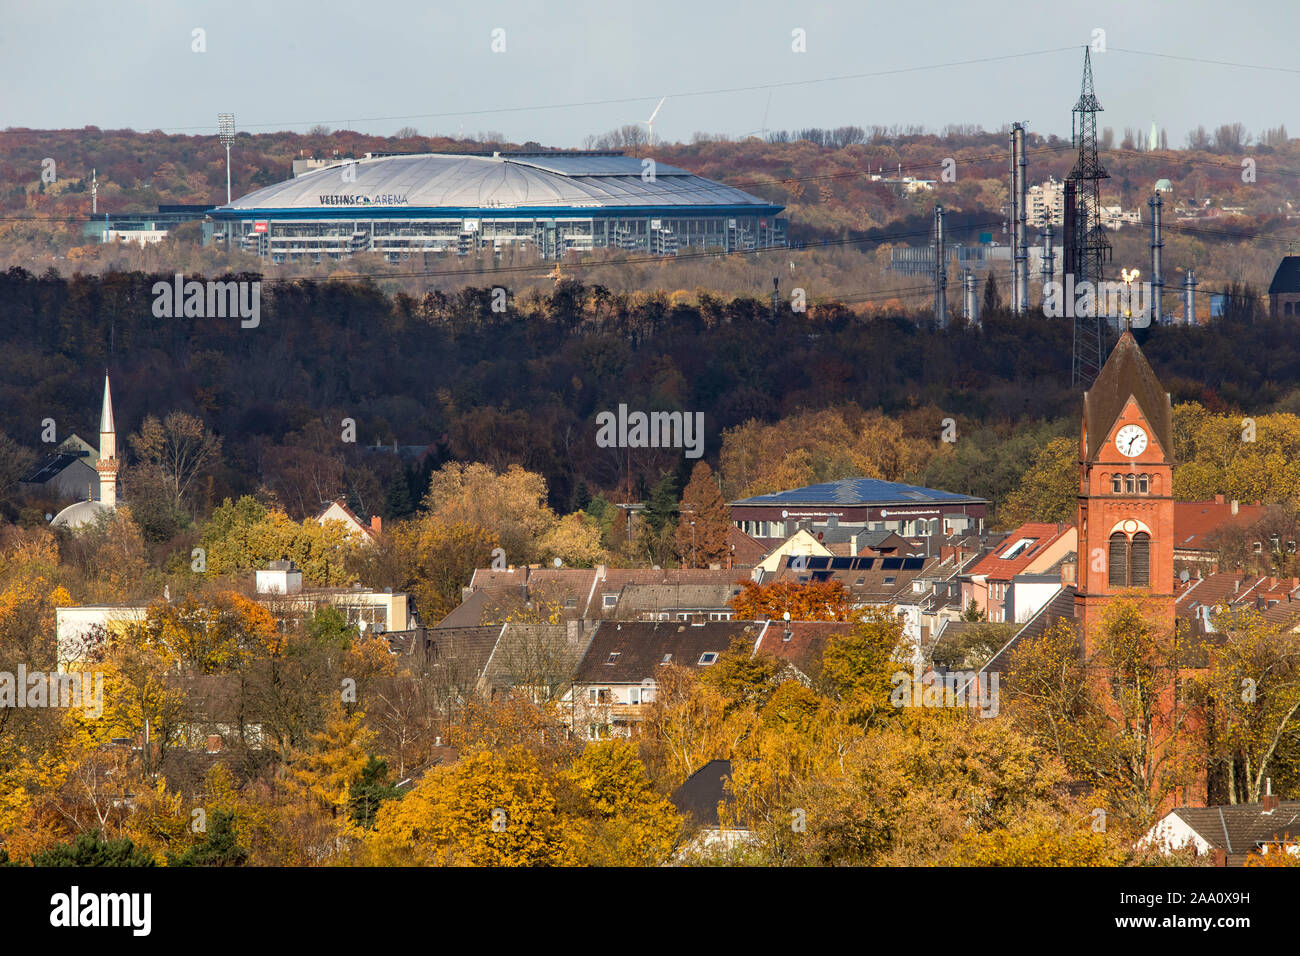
(1125, 510)
(107, 464)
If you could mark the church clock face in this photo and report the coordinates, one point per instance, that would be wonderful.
(1131, 441)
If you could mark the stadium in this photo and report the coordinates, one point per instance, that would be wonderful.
(553, 202)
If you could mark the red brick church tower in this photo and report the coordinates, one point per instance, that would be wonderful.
(1126, 505)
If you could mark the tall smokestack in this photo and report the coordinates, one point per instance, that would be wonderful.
(971, 306)
(1013, 221)
(1157, 280)
(1049, 258)
(940, 272)
(1189, 297)
(1022, 214)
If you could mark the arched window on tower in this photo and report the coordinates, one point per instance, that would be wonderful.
(1130, 484)
(1143, 484)
(1117, 484)
(1140, 560)
(1118, 560)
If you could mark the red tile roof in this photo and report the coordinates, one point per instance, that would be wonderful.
(1194, 521)
(997, 568)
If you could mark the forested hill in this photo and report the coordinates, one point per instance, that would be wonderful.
(822, 177)
(525, 386)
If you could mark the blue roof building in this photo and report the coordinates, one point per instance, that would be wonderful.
(859, 504)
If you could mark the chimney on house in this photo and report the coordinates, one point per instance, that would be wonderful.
(600, 572)
(1220, 856)
(376, 524)
(1270, 801)
(1236, 506)
(1218, 499)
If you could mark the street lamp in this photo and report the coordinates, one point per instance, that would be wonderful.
(226, 130)
(692, 542)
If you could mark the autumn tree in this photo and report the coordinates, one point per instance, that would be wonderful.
(812, 601)
(704, 521)
(487, 809)
(510, 506)
(180, 447)
(1049, 490)
(1251, 692)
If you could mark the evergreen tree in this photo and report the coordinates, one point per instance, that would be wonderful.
(369, 791)
(992, 299)
(581, 496)
(398, 503)
(221, 848)
(89, 850)
(661, 509)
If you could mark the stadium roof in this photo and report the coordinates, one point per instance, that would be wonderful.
(501, 184)
(860, 491)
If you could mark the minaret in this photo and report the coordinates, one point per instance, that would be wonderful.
(107, 464)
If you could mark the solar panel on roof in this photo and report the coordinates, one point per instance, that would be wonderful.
(891, 564)
(913, 564)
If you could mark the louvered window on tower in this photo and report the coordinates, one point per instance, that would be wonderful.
(1140, 560)
(1118, 560)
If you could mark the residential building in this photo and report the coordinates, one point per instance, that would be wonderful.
(863, 504)
(1284, 290)
(1229, 834)
(1010, 584)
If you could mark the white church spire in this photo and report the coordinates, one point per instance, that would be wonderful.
(107, 464)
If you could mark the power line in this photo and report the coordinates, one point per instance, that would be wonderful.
(654, 97)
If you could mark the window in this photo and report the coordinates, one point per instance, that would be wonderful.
(1118, 560)
(591, 695)
(1130, 484)
(1018, 548)
(611, 600)
(1259, 547)
(1143, 484)
(1140, 560)
(634, 695)
(570, 602)
(1117, 484)
(668, 659)
(613, 658)
(707, 658)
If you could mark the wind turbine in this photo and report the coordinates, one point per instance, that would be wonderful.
(650, 123)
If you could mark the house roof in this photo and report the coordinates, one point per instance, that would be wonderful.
(630, 652)
(1241, 828)
(460, 653)
(1195, 521)
(998, 567)
(860, 491)
(1287, 277)
(869, 580)
(643, 598)
(699, 796)
(746, 550)
(1059, 606)
(1126, 374)
(349, 516)
(52, 466)
(803, 648)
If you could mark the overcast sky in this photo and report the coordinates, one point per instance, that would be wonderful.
(378, 66)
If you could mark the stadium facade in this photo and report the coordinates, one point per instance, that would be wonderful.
(554, 202)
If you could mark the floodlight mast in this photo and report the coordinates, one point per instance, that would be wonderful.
(226, 130)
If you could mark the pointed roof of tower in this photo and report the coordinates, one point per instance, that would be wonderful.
(106, 416)
(1126, 374)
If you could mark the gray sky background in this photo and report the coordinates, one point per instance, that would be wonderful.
(375, 67)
